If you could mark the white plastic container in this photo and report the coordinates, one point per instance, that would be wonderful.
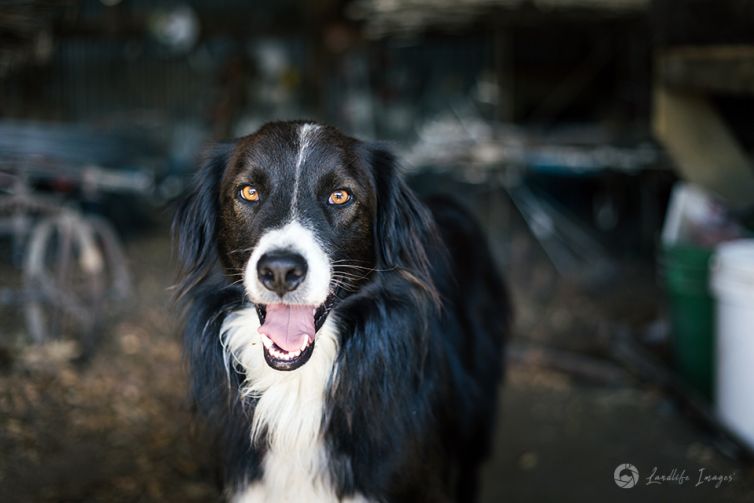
(733, 285)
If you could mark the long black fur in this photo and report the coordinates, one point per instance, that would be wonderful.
(410, 415)
(207, 297)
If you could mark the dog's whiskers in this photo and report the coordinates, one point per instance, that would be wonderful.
(341, 264)
(241, 250)
(236, 282)
(347, 277)
(336, 283)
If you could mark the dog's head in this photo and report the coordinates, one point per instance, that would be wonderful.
(302, 216)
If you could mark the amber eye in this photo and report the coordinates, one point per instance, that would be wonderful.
(339, 197)
(249, 193)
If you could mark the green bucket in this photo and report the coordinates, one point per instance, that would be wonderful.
(686, 274)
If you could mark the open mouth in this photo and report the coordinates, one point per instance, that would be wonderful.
(289, 331)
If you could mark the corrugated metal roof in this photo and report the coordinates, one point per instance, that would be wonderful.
(384, 17)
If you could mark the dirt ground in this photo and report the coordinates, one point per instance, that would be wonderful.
(118, 429)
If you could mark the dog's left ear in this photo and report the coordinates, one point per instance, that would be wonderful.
(404, 228)
(194, 223)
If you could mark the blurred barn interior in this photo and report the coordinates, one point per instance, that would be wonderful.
(574, 129)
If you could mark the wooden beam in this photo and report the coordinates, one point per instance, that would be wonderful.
(716, 68)
(704, 150)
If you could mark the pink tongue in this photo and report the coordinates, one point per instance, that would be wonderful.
(288, 325)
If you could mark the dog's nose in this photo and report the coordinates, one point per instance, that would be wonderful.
(281, 272)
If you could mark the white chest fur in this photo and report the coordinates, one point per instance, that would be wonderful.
(289, 409)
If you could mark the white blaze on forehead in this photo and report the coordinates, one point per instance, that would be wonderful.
(296, 238)
(306, 136)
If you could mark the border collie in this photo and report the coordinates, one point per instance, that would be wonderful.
(345, 340)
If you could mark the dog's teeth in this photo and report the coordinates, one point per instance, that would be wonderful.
(282, 354)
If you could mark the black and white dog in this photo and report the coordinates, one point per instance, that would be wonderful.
(345, 340)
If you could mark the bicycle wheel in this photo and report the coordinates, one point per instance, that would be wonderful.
(64, 277)
(118, 284)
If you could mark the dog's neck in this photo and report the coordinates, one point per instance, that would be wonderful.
(289, 406)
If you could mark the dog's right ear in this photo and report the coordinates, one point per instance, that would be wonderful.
(194, 223)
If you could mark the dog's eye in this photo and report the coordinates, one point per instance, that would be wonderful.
(249, 193)
(339, 197)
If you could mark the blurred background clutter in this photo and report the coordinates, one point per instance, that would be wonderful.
(606, 145)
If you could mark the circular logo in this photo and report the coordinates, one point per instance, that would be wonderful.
(626, 476)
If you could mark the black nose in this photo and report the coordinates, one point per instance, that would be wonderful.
(281, 272)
